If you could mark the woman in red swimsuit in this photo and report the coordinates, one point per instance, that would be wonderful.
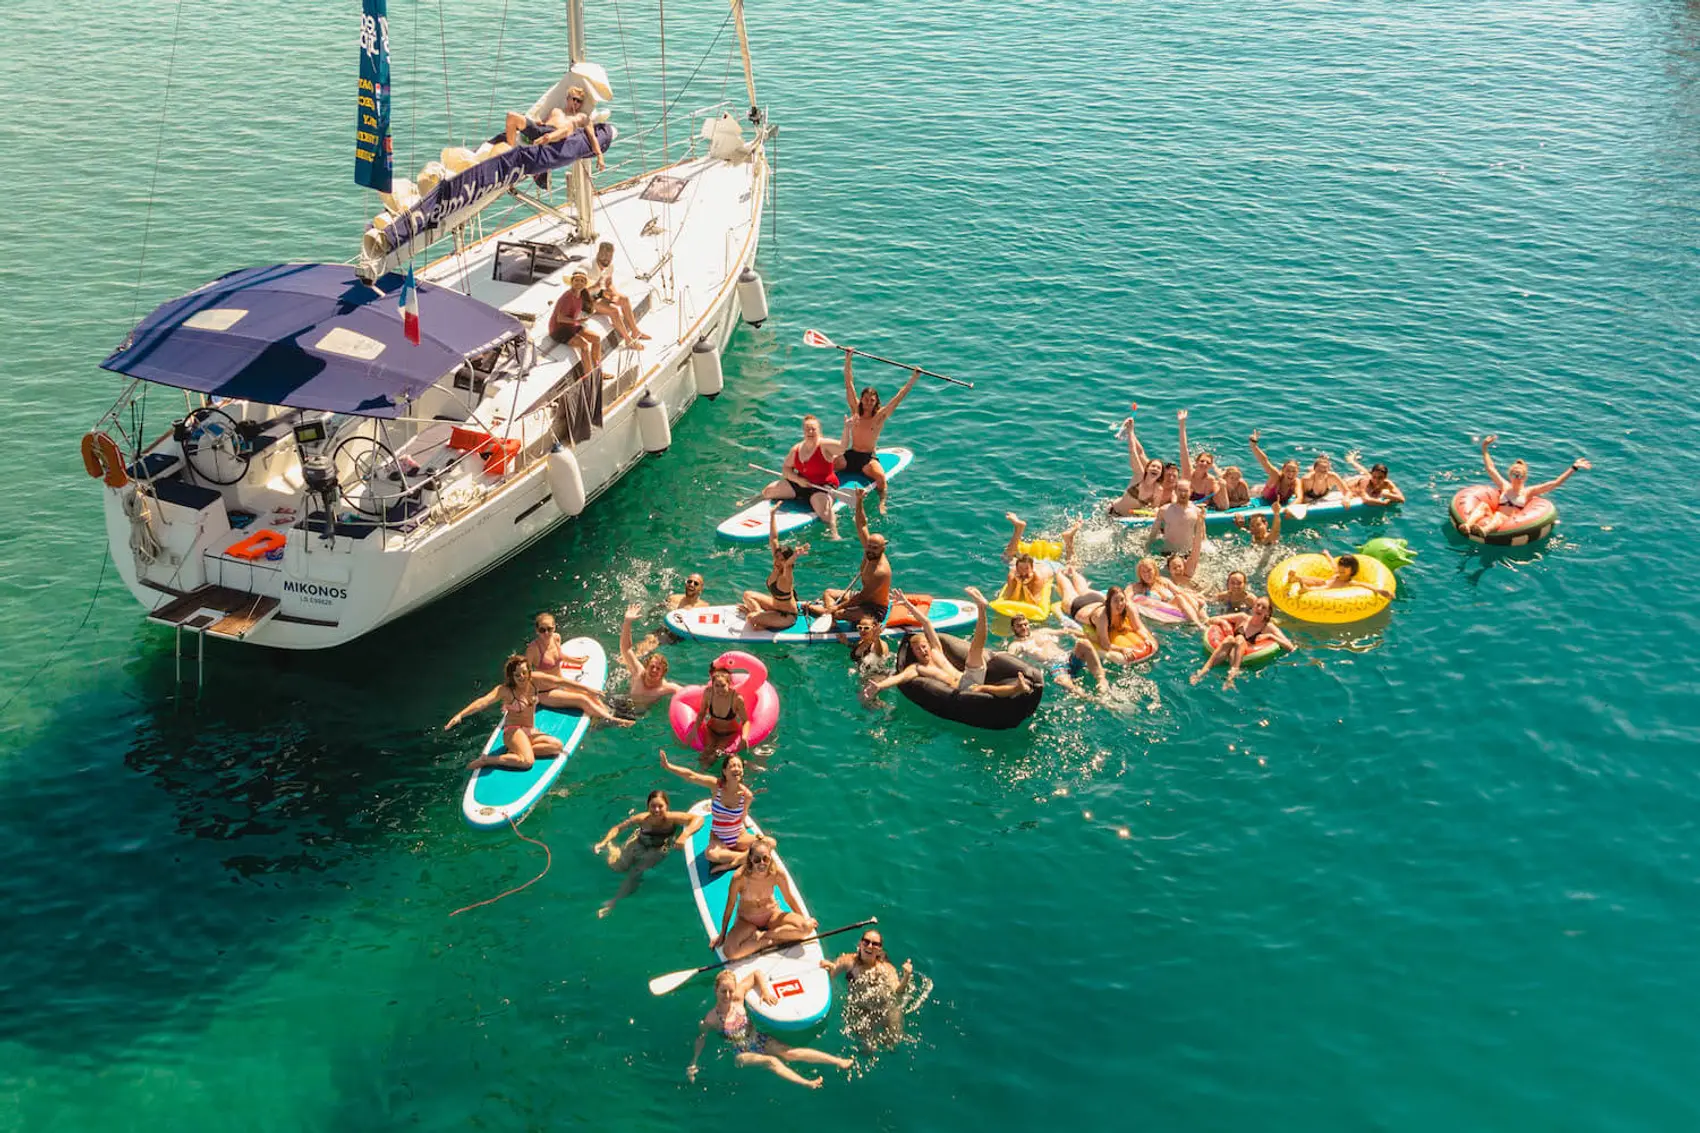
(808, 474)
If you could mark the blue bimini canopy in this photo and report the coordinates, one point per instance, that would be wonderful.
(310, 336)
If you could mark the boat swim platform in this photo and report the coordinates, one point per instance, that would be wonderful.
(217, 610)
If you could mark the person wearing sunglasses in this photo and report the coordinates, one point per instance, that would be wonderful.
(692, 596)
(870, 966)
(870, 649)
(753, 919)
(547, 659)
(561, 122)
(729, 1018)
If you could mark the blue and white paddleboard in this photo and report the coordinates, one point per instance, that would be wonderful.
(803, 986)
(750, 525)
(1326, 509)
(726, 623)
(496, 795)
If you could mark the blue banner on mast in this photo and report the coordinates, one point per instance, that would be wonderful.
(373, 156)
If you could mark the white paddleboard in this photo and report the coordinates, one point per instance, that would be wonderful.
(803, 986)
(750, 525)
(726, 623)
(495, 795)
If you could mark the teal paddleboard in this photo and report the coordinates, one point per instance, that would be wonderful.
(495, 795)
(750, 525)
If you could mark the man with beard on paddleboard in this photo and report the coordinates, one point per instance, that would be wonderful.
(862, 428)
(873, 600)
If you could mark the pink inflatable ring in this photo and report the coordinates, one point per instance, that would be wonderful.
(749, 680)
(1505, 526)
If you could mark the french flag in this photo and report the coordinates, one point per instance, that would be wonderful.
(410, 308)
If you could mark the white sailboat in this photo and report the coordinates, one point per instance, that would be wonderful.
(330, 476)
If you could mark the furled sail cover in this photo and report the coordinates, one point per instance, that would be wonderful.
(456, 200)
(310, 336)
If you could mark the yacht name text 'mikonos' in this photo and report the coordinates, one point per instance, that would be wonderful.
(361, 440)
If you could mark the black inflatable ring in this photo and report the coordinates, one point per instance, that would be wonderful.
(976, 709)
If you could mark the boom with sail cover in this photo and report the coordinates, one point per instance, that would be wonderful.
(457, 199)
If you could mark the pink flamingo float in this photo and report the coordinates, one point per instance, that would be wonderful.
(749, 681)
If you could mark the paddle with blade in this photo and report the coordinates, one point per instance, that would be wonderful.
(816, 338)
(661, 985)
(847, 496)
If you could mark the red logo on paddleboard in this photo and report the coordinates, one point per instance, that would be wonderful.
(784, 989)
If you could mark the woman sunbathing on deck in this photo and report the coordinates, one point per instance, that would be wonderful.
(728, 805)
(1514, 489)
(728, 1017)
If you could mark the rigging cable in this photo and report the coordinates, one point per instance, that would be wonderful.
(631, 87)
(496, 73)
(448, 110)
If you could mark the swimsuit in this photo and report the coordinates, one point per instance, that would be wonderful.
(726, 825)
(745, 1039)
(1082, 601)
(1512, 498)
(817, 469)
(970, 678)
(656, 839)
(855, 460)
(713, 716)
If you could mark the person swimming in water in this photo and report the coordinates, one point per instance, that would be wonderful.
(1321, 480)
(656, 828)
(729, 803)
(1371, 484)
(1062, 665)
(1243, 633)
(1515, 491)
(1236, 598)
(1179, 520)
(1232, 491)
(777, 609)
(648, 681)
(1263, 532)
(809, 475)
(877, 989)
(863, 427)
(728, 1019)
(870, 649)
(1149, 586)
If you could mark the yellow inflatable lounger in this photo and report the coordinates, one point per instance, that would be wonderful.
(1009, 607)
(1042, 549)
(1329, 607)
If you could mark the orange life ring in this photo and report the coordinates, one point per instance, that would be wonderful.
(102, 460)
(257, 544)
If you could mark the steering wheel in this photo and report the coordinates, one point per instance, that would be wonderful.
(362, 467)
(212, 447)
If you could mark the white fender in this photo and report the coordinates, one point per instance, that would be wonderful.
(705, 368)
(752, 297)
(566, 481)
(657, 434)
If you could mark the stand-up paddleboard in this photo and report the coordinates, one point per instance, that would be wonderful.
(750, 525)
(1326, 509)
(726, 623)
(496, 795)
(803, 986)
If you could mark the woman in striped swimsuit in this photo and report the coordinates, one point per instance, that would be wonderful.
(728, 803)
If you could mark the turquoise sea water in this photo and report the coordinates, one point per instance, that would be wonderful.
(1436, 875)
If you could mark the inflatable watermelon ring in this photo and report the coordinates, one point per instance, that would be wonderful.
(1512, 527)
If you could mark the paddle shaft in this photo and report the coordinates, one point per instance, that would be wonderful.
(774, 948)
(848, 497)
(907, 366)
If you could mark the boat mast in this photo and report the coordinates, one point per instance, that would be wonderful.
(744, 47)
(582, 190)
